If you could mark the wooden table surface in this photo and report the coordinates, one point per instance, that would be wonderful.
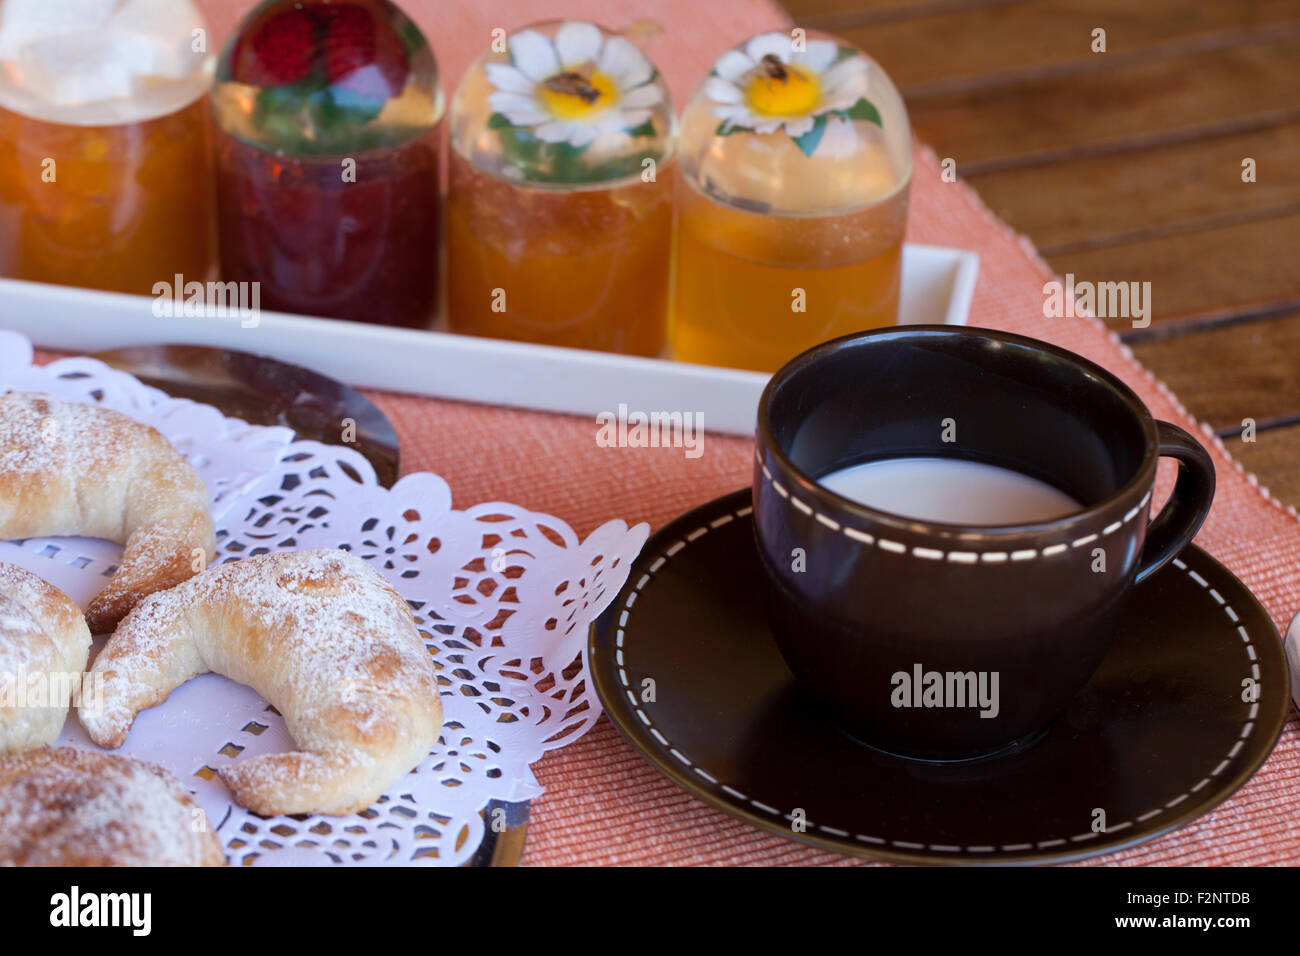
(1129, 165)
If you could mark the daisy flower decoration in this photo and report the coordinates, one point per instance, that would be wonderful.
(575, 87)
(811, 89)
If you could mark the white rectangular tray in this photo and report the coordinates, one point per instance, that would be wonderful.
(937, 286)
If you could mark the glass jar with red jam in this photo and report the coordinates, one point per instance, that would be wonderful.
(327, 161)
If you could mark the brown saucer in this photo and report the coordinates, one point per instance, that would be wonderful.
(1160, 735)
(266, 391)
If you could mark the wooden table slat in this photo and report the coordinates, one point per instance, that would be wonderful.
(1028, 41)
(833, 13)
(1099, 199)
(1205, 275)
(1246, 370)
(1133, 107)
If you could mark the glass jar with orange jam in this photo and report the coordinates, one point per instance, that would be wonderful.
(560, 207)
(795, 166)
(105, 165)
(327, 160)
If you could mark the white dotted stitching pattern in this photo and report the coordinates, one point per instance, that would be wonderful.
(956, 557)
(735, 794)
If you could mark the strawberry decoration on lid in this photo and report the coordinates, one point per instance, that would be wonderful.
(358, 57)
(282, 50)
(324, 77)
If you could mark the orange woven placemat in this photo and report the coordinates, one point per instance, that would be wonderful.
(604, 804)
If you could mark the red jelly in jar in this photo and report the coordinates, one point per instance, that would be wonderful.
(327, 161)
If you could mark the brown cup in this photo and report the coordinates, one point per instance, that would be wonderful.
(1020, 613)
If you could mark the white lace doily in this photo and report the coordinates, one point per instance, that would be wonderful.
(503, 596)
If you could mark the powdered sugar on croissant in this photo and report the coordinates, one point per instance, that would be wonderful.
(71, 468)
(324, 638)
(63, 806)
(44, 643)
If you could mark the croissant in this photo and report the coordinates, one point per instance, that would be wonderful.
(62, 806)
(324, 638)
(44, 642)
(69, 468)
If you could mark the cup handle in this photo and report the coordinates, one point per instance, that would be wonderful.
(1181, 517)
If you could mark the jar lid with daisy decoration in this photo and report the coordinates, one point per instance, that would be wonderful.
(796, 123)
(563, 103)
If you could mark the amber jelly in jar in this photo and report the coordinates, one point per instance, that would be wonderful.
(105, 153)
(327, 160)
(795, 165)
(559, 210)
